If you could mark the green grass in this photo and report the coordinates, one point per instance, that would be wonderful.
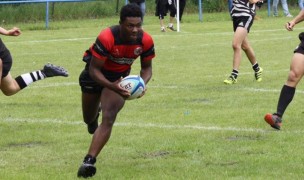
(189, 125)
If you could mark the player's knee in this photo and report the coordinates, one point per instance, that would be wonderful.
(244, 47)
(293, 76)
(236, 46)
(108, 117)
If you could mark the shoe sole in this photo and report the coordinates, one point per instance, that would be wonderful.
(268, 119)
(229, 83)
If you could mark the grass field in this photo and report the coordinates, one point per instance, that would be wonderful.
(189, 125)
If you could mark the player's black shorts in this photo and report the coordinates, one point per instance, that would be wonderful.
(242, 21)
(300, 47)
(162, 8)
(6, 58)
(88, 85)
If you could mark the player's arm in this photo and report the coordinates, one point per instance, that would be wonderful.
(12, 32)
(146, 58)
(146, 70)
(299, 18)
(146, 73)
(96, 74)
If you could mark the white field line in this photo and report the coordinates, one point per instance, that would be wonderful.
(139, 125)
(179, 34)
(160, 87)
(51, 40)
(151, 125)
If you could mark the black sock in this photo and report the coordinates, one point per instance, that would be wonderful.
(89, 159)
(256, 67)
(286, 96)
(235, 73)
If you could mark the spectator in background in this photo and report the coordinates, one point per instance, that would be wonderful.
(284, 6)
(162, 8)
(141, 4)
(301, 4)
(182, 4)
(229, 5)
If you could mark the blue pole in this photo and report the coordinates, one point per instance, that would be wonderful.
(47, 15)
(200, 10)
(268, 5)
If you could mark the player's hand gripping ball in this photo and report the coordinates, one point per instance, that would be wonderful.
(134, 84)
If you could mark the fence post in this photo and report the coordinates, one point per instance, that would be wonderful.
(47, 15)
(200, 10)
(268, 6)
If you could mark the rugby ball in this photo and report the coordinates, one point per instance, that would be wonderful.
(134, 84)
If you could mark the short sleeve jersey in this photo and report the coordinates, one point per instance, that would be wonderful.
(242, 8)
(119, 55)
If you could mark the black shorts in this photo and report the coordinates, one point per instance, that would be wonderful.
(300, 47)
(88, 85)
(162, 8)
(242, 21)
(6, 58)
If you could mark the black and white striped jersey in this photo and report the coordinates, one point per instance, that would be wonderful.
(242, 8)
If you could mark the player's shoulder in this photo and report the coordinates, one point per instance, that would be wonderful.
(105, 35)
(147, 37)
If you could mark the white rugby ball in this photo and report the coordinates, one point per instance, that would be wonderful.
(134, 84)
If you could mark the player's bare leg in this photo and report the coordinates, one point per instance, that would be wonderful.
(111, 104)
(296, 70)
(249, 51)
(238, 38)
(10, 86)
(287, 92)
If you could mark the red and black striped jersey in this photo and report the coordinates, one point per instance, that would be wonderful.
(118, 54)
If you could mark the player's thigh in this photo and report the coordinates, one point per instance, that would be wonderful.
(240, 35)
(111, 103)
(296, 69)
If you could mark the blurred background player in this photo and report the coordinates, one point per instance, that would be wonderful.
(182, 5)
(162, 8)
(10, 86)
(301, 4)
(107, 61)
(141, 4)
(242, 13)
(296, 73)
